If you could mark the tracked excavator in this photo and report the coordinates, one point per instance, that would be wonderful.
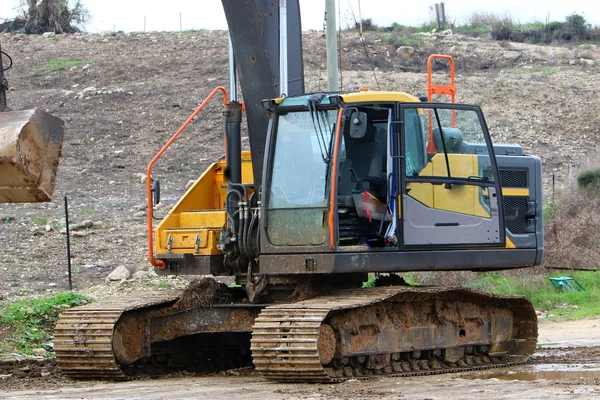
(336, 186)
(30, 149)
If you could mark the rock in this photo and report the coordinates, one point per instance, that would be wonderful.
(88, 91)
(141, 176)
(512, 55)
(52, 285)
(29, 310)
(87, 224)
(39, 352)
(137, 267)
(48, 228)
(405, 52)
(82, 234)
(139, 214)
(587, 62)
(48, 34)
(98, 224)
(69, 93)
(190, 183)
(86, 66)
(142, 275)
(88, 266)
(121, 273)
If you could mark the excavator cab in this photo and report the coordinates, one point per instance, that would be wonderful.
(350, 173)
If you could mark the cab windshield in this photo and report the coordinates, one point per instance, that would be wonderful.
(298, 190)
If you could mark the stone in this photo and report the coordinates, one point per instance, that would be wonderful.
(87, 224)
(142, 275)
(512, 55)
(121, 273)
(69, 93)
(405, 52)
(89, 91)
(52, 284)
(48, 34)
(39, 352)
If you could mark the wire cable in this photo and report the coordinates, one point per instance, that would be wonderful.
(2, 52)
(364, 43)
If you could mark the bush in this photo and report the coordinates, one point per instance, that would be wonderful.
(575, 27)
(367, 25)
(589, 180)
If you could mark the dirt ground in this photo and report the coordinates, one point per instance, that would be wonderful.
(564, 366)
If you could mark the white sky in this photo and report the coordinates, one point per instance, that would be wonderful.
(128, 15)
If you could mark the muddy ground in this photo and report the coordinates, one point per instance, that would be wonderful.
(566, 365)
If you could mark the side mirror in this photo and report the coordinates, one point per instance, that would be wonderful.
(358, 124)
(156, 191)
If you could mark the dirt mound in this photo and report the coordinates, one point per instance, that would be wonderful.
(204, 293)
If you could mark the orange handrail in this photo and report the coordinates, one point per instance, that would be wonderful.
(159, 263)
(432, 89)
(332, 205)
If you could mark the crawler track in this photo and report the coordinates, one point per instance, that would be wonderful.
(83, 339)
(392, 331)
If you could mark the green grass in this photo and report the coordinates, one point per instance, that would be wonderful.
(58, 65)
(539, 290)
(40, 220)
(29, 323)
(543, 70)
(162, 284)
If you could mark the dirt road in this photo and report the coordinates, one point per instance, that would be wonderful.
(566, 365)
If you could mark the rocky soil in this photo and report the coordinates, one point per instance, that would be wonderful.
(127, 93)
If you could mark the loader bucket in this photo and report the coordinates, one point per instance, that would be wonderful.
(30, 148)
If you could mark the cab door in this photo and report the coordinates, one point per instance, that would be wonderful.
(449, 196)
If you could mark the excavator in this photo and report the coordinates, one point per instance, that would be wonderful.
(336, 187)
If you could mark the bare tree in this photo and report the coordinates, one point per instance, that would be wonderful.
(39, 16)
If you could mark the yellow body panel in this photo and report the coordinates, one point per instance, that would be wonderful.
(195, 221)
(517, 192)
(462, 199)
(378, 97)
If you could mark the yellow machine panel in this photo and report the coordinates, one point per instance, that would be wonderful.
(462, 199)
(194, 223)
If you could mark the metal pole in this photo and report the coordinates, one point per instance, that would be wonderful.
(283, 49)
(443, 8)
(68, 243)
(3, 85)
(332, 46)
(233, 96)
(360, 25)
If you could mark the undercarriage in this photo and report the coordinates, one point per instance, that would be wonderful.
(348, 333)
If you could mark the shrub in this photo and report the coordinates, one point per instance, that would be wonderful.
(589, 180)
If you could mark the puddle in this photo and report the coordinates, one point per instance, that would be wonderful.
(552, 372)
